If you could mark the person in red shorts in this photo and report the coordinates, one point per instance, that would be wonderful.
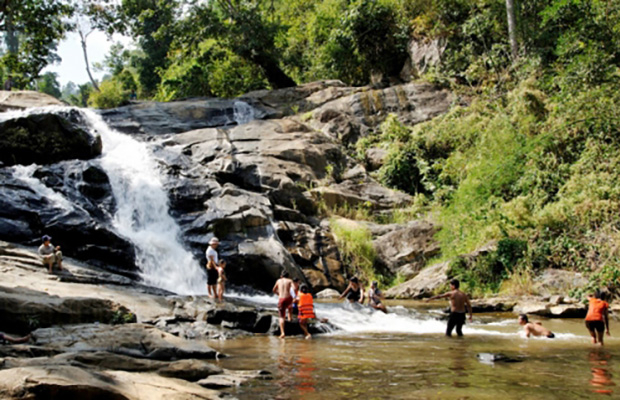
(283, 289)
(597, 319)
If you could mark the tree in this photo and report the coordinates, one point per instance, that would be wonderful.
(32, 30)
(252, 36)
(512, 28)
(48, 83)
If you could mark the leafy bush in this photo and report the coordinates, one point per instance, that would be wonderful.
(355, 244)
(111, 94)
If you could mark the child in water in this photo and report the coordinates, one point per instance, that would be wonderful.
(597, 319)
(221, 280)
(305, 305)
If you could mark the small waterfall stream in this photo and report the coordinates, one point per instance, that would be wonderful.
(143, 212)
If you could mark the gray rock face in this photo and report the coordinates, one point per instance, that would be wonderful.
(253, 185)
(133, 340)
(423, 285)
(20, 100)
(422, 55)
(407, 249)
(46, 139)
(23, 309)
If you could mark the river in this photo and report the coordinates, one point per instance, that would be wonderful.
(408, 357)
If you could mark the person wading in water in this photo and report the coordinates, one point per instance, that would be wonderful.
(283, 289)
(459, 302)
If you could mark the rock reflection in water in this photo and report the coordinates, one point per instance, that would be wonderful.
(601, 376)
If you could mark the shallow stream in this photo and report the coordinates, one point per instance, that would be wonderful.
(405, 355)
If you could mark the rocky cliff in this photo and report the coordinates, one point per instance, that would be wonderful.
(249, 170)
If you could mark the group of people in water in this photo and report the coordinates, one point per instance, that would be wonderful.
(295, 298)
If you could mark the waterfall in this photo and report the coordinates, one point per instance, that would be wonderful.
(243, 112)
(142, 215)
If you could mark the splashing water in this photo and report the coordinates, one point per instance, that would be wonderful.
(142, 215)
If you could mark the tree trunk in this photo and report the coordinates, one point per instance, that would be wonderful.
(274, 74)
(512, 28)
(11, 39)
(90, 75)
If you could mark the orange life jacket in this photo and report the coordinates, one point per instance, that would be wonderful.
(306, 306)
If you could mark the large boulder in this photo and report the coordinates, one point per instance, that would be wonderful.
(47, 138)
(69, 382)
(23, 309)
(22, 99)
(423, 285)
(406, 250)
(134, 340)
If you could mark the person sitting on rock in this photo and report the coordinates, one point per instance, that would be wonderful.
(294, 293)
(221, 280)
(51, 255)
(534, 328)
(375, 296)
(305, 305)
(4, 339)
(354, 292)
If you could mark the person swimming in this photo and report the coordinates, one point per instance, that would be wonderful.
(354, 292)
(534, 328)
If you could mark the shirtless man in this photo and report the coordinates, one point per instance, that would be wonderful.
(534, 328)
(459, 302)
(283, 289)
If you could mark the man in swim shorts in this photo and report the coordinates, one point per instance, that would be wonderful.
(534, 328)
(459, 304)
(283, 289)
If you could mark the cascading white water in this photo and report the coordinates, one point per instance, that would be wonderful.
(25, 174)
(243, 112)
(142, 215)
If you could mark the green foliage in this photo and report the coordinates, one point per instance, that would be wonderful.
(48, 83)
(111, 95)
(122, 316)
(486, 273)
(355, 244)
(32, 30)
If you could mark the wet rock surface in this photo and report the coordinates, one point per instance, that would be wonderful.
(246, 170)
(47, 139)
(93, 350)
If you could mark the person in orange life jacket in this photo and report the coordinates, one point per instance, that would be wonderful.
(305, 306)
(597, 319)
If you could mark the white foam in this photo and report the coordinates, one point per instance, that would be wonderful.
(25, 174)
(143, 213)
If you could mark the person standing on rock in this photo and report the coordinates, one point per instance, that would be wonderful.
(212, 264)
(459, 304)
(50, 254)
(597, 319)
(283, 289)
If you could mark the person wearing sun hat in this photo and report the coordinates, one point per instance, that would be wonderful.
(51, 255)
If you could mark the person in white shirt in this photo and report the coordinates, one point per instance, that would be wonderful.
(212, 264)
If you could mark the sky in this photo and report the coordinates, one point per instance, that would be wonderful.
(72, 67)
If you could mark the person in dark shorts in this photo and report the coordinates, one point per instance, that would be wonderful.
(534, 328)
(283, 289)
(354, 292)
(597, 319)
(459, 304)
